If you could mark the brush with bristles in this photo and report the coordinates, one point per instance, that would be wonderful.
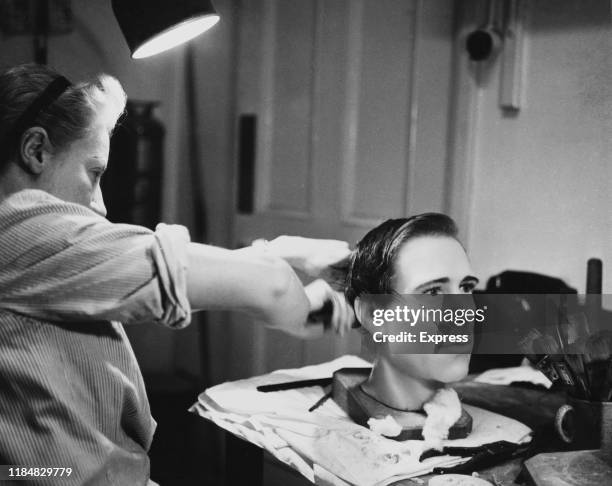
(547, 349)
(576, 327)
(571, 329)
(550, 347)
(576, 330)
(528, 346)
(575, 359)
(576, 366)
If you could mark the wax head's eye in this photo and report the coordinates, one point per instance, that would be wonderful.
(467, 288)
(437, 290)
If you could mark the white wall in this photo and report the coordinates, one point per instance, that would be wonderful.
(540, 195)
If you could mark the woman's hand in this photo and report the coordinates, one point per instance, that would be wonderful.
(310, 255)
(328, 307)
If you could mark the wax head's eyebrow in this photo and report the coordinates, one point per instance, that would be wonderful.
(443, 280)
(471, 279)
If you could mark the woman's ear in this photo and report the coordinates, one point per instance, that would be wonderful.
(35, 150)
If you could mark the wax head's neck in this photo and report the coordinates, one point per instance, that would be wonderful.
(395, 388)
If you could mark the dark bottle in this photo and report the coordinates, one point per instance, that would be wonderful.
(132, 183)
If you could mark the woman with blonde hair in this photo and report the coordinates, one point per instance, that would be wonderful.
(71, 392)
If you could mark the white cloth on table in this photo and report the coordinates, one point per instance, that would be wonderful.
(326, 446)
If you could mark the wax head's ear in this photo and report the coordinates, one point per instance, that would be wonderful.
(35, 150)
(363, 315)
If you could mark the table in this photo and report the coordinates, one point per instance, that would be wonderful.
(534, 407)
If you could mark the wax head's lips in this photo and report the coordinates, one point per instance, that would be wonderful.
(454, 348)
(449, 330)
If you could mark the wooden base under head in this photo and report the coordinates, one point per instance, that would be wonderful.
(360, 407)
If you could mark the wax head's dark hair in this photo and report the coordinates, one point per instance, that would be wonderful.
(370, 269)
(69, 118)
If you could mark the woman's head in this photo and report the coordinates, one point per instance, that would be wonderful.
(63, 147)
(417, 255)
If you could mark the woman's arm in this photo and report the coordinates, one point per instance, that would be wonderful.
(313, 256)
(61, 262)
(262, 285)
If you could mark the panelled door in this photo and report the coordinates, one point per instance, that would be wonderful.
(342, 122)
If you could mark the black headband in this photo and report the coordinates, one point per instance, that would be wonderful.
(42, 101)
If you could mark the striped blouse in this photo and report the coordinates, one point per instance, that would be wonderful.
(71, 392)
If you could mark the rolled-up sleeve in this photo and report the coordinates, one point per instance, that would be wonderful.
(170, 257)
(62, 262)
